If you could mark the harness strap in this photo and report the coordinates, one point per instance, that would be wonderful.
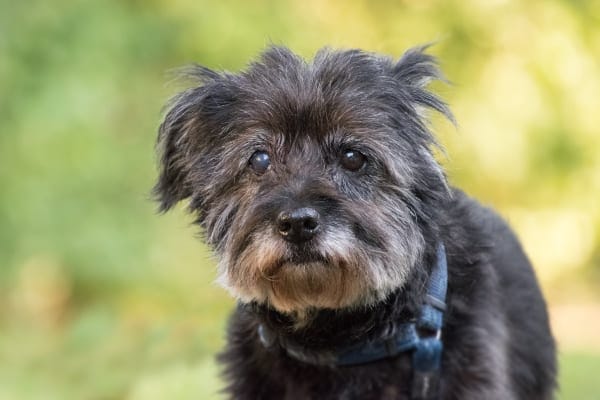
(427, 355)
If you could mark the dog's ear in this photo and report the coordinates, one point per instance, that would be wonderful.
(180, 137)
(414, 71)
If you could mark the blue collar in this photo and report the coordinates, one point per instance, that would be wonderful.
(404, 337)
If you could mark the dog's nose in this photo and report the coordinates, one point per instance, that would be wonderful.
(299, 225)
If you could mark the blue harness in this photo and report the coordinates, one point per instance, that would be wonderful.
(426, 349)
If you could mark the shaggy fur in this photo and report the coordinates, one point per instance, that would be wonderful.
(378, 228)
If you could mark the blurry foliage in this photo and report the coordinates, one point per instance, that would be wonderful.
(102, 298)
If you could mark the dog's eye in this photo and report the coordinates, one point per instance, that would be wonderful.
(352, 160)
(260, 161)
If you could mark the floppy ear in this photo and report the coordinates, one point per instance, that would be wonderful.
(179, 136)
(415, 70)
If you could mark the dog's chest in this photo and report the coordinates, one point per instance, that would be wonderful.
(388, 380)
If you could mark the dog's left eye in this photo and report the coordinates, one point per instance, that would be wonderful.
(352, 160)
(260, 161)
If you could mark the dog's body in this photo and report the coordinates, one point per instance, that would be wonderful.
(316, 186)
(496, 340)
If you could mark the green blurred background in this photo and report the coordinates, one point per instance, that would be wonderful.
(101, 298)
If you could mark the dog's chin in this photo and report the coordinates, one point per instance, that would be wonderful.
(298, 284)
(312, 284)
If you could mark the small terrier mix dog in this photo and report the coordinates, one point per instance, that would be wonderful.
(359, 272)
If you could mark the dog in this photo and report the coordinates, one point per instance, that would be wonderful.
(359, 272)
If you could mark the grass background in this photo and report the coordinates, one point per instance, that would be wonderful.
(100, 298)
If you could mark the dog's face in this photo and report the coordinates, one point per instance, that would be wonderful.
(314, 183)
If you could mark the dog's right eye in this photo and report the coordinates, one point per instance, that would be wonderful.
(260, 162)
(352, 160)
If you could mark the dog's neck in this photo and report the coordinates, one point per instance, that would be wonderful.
(317, 329)
(354, 338)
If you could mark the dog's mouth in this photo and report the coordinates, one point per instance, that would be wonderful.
(299, 258)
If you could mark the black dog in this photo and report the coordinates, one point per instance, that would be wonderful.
(352, 259)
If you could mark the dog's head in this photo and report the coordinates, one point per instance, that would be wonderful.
(313, 182)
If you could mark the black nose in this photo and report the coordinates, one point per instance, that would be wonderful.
(298, 225)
